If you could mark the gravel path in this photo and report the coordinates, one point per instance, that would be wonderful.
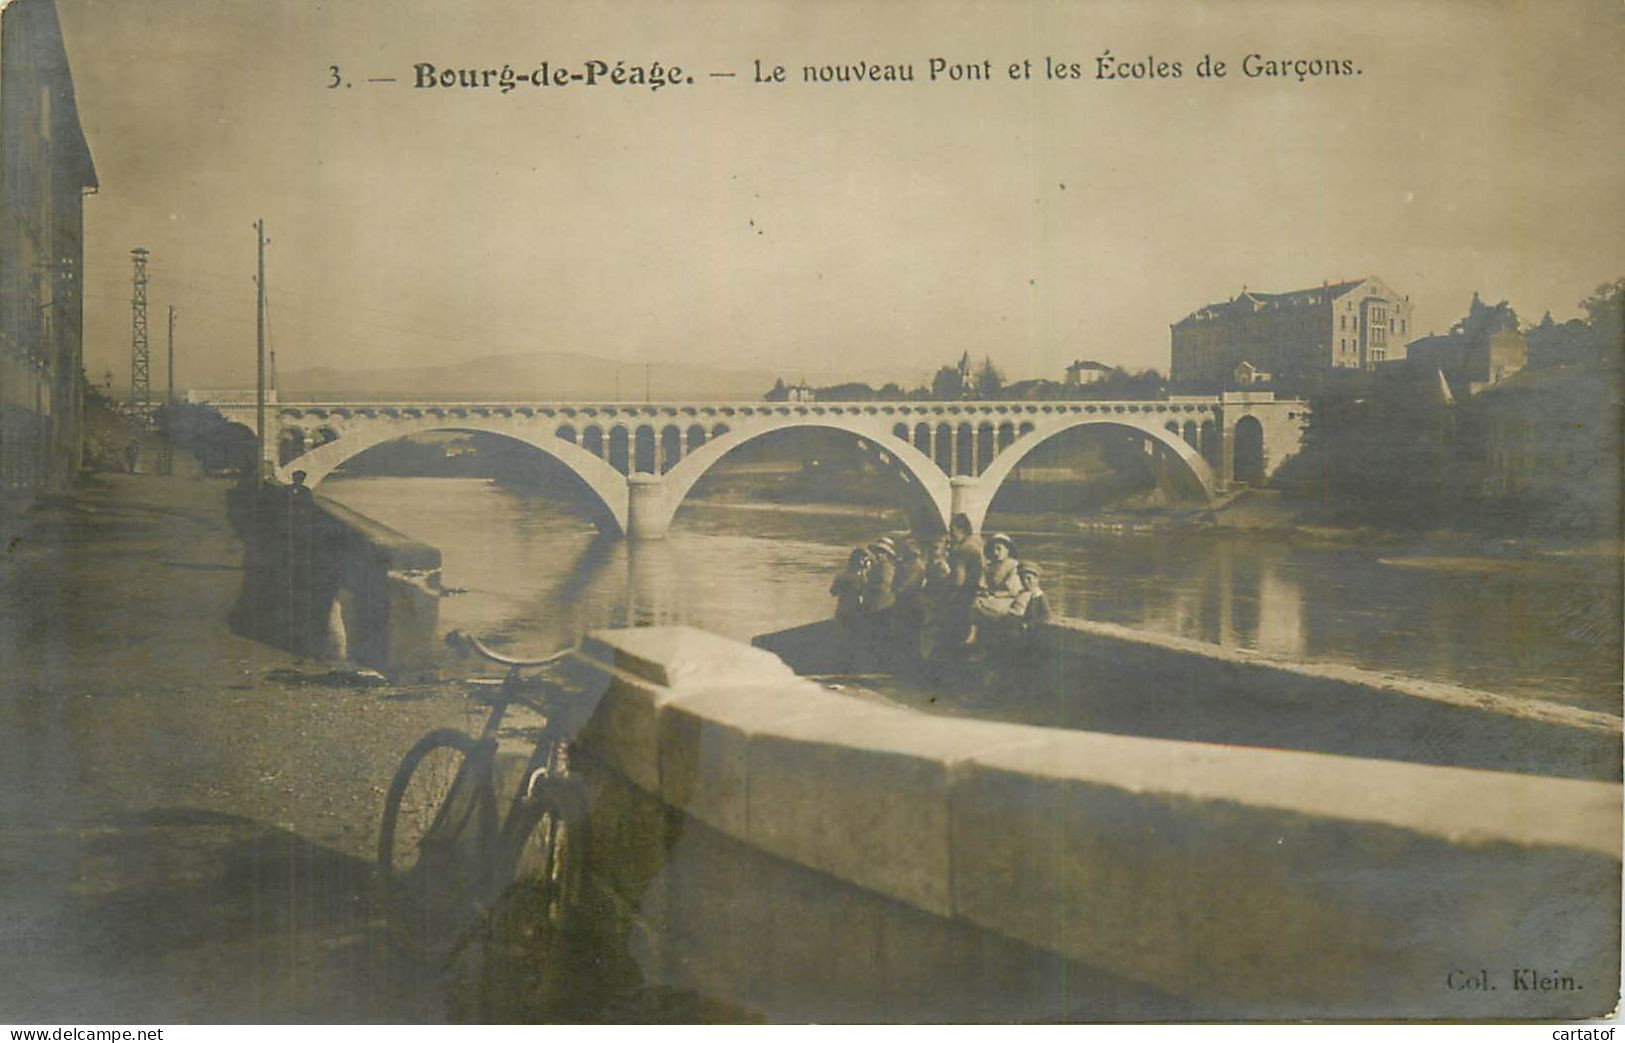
(182, 837)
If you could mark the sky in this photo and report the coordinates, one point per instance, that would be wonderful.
(876, 228)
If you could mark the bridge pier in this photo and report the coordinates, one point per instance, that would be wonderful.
(648, 515)
(971, 497)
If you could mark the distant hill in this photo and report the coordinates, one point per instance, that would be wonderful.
(555, 376)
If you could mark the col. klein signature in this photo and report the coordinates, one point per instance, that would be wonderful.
(1518, 979)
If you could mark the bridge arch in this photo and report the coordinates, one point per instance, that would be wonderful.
(1005, 462)
(1249, 451)
(914, 466)
(607, 485)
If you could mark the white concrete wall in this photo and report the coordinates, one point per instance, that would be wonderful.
(1239, 881)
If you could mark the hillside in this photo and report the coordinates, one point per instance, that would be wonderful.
(558, 376)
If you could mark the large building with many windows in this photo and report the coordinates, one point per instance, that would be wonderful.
(45, 171)
(1297, 338)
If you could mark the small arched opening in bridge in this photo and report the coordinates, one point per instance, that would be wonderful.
(945, 447)
(986, 444)
(718, 430)
(290, 445)
(1249, 451)
(1081, 466)
(592, 440)
(620, 449)
(643, 460)
(323, 435)
(1210, 444)
(1191, 435)
(671, 447)
(922, 438)
(695, 437)
(796, 462)
(448, 447)
(567, 433)
(964, 448)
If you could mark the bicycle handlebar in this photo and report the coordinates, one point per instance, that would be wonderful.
(459, 639)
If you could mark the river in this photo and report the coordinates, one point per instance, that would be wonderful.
(528, 569)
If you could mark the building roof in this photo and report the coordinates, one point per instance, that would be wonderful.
(1255, 301)
(1433, 340)
(1088, 364)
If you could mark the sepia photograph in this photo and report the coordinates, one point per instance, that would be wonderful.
(778, 512)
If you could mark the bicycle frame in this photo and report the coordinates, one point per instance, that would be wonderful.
(470, 854)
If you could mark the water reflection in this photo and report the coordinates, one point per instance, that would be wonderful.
(542, 576)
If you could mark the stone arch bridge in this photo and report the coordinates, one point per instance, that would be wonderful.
(641, 460)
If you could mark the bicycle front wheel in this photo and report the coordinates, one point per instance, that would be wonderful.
(434, 845)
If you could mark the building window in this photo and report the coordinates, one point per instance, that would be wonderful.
(1342, 322)
(1390, 325)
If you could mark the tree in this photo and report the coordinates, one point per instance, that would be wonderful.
(988, 379)
(219, 445)
(947, 384)
(1482, 320)
(1594, 342)
(1554, 343)
(1606, 310)
(107, 430)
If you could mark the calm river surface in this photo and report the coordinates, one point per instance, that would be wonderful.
(532, 570)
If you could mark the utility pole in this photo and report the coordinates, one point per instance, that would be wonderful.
(140, 361)
(259, 323)
(166, 459)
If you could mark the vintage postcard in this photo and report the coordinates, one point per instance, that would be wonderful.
(716, 511)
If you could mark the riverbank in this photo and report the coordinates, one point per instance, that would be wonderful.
(827, 510)
(187, 836)
(1253, 512)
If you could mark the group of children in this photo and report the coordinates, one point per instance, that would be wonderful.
(947, 592)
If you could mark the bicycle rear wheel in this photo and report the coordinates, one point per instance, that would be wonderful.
(434, 845)
(530, 959)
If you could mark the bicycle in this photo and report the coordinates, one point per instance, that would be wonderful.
(446, 865)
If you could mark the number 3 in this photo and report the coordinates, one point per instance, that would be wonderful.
(337, 79)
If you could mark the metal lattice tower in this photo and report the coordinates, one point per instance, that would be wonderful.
(140, 360)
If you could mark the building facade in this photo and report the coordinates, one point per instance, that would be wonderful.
(45, 171)
(1481, 350)
(1298, 337)
(1086, 371)
(1471, 363)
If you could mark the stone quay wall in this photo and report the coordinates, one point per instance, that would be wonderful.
(1146, 683)
(794, 853)
(326, 582)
